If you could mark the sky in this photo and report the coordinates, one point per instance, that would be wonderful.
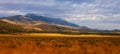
(98, 14)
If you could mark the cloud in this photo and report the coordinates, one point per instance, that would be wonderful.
(12, 12)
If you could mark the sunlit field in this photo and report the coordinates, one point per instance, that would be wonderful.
(59, 45)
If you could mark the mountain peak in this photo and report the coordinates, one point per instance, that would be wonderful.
(31, 14)
(17, 16)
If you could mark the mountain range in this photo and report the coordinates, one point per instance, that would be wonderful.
(32, 23)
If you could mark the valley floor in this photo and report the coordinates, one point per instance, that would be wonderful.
(59, 44)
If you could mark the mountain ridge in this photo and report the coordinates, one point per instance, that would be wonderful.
(38, 25)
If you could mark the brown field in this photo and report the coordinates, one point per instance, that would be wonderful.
(59, 45)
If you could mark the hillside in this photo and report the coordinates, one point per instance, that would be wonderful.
(10, 28)
(25, 24)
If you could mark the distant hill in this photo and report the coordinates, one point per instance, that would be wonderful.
(35, 24)
(32, 23)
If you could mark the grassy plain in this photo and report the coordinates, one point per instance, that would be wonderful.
(59, 44)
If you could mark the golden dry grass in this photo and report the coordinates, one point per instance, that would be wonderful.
(59, 45)
(53, 35)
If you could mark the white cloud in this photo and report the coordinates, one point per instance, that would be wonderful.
(11, 12)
